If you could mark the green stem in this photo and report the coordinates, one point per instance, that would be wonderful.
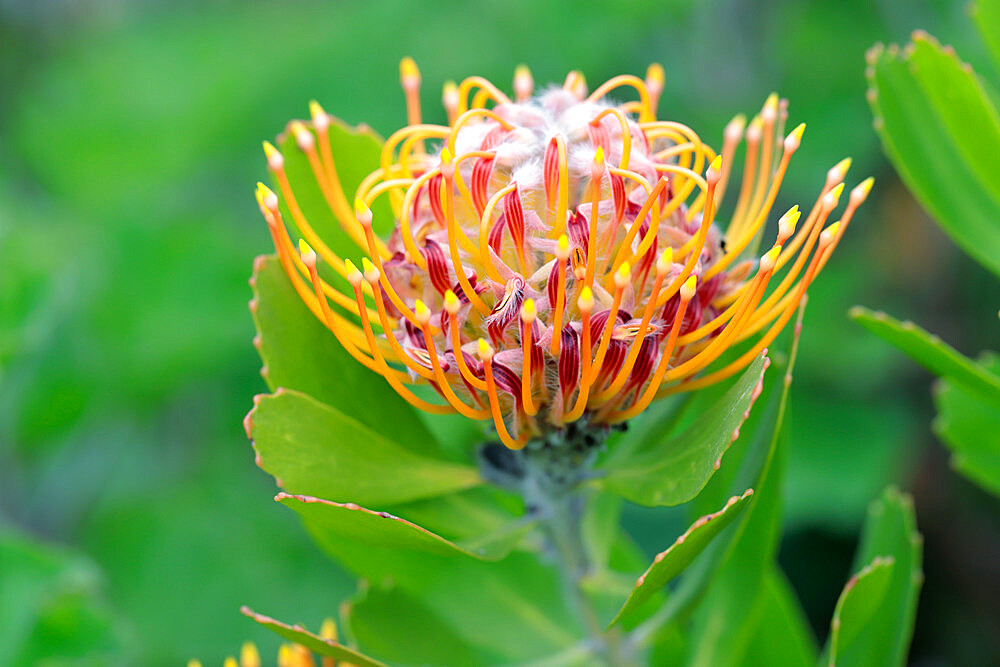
(563, 528)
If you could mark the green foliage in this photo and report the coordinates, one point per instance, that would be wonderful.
(668, 468)
(51, 606)
(300, 441)
(402, 630)
(313, 642)
(123, 245)
(968, 397)
(668, 564)
(970, 426)
(381, 529)
(986, 14)
(298, 353)
(941, 128)
(782, 636)
(936, 356)
(858, 603)
(942, 133)
(724, 624)
(873, 621)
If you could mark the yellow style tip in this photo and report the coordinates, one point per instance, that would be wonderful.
(422, 312)
(689, 287)
(449, 95)
(734, 128)
(832, 198)
(274, 158)
(320, 119)
(714, 171)
(353, 274)
(599, 157)
(303, 137)
(861, 190)
(267, 197)
(524, 83)
(622, 275)
(586, 301)
(371, 271)
(193, 663)
(285, 656)
(770, 258)
(576, 83)
(770, 111)
(249, 657)
(562, 247)
(329, 629)
(451, 302)
(829, 234)
(791, 216)
(665, 262)
(843, 166)
(787, 223)
(528, 311)
(794, 138)
(362, 212)
(307, 253)
(484, 350)
(655, 76)
(409, 73)
(230, 661)
(446, 156)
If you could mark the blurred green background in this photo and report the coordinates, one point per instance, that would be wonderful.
(129, 144)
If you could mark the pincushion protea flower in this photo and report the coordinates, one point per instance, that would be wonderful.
(556, 257)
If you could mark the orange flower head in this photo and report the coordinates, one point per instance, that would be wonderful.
(556, 256)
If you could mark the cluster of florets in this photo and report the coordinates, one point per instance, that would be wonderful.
(556, 257)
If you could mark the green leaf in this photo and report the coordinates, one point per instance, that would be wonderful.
(521, 594)
(858, 603)
(965, 111)
(356, 154)
(672, 470)
(782, 637)
(971, 429)
(967, 397)
(752, 459)
(300, 353)
(724, 624)
(986, 15)
(600, 527)
(931, 353)
(315, 449)
(938, 126)
(338, 521)
(890, 533)
(400, 629)
(468, 514)
(315, 643)
(668, 564)
(50, 606)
